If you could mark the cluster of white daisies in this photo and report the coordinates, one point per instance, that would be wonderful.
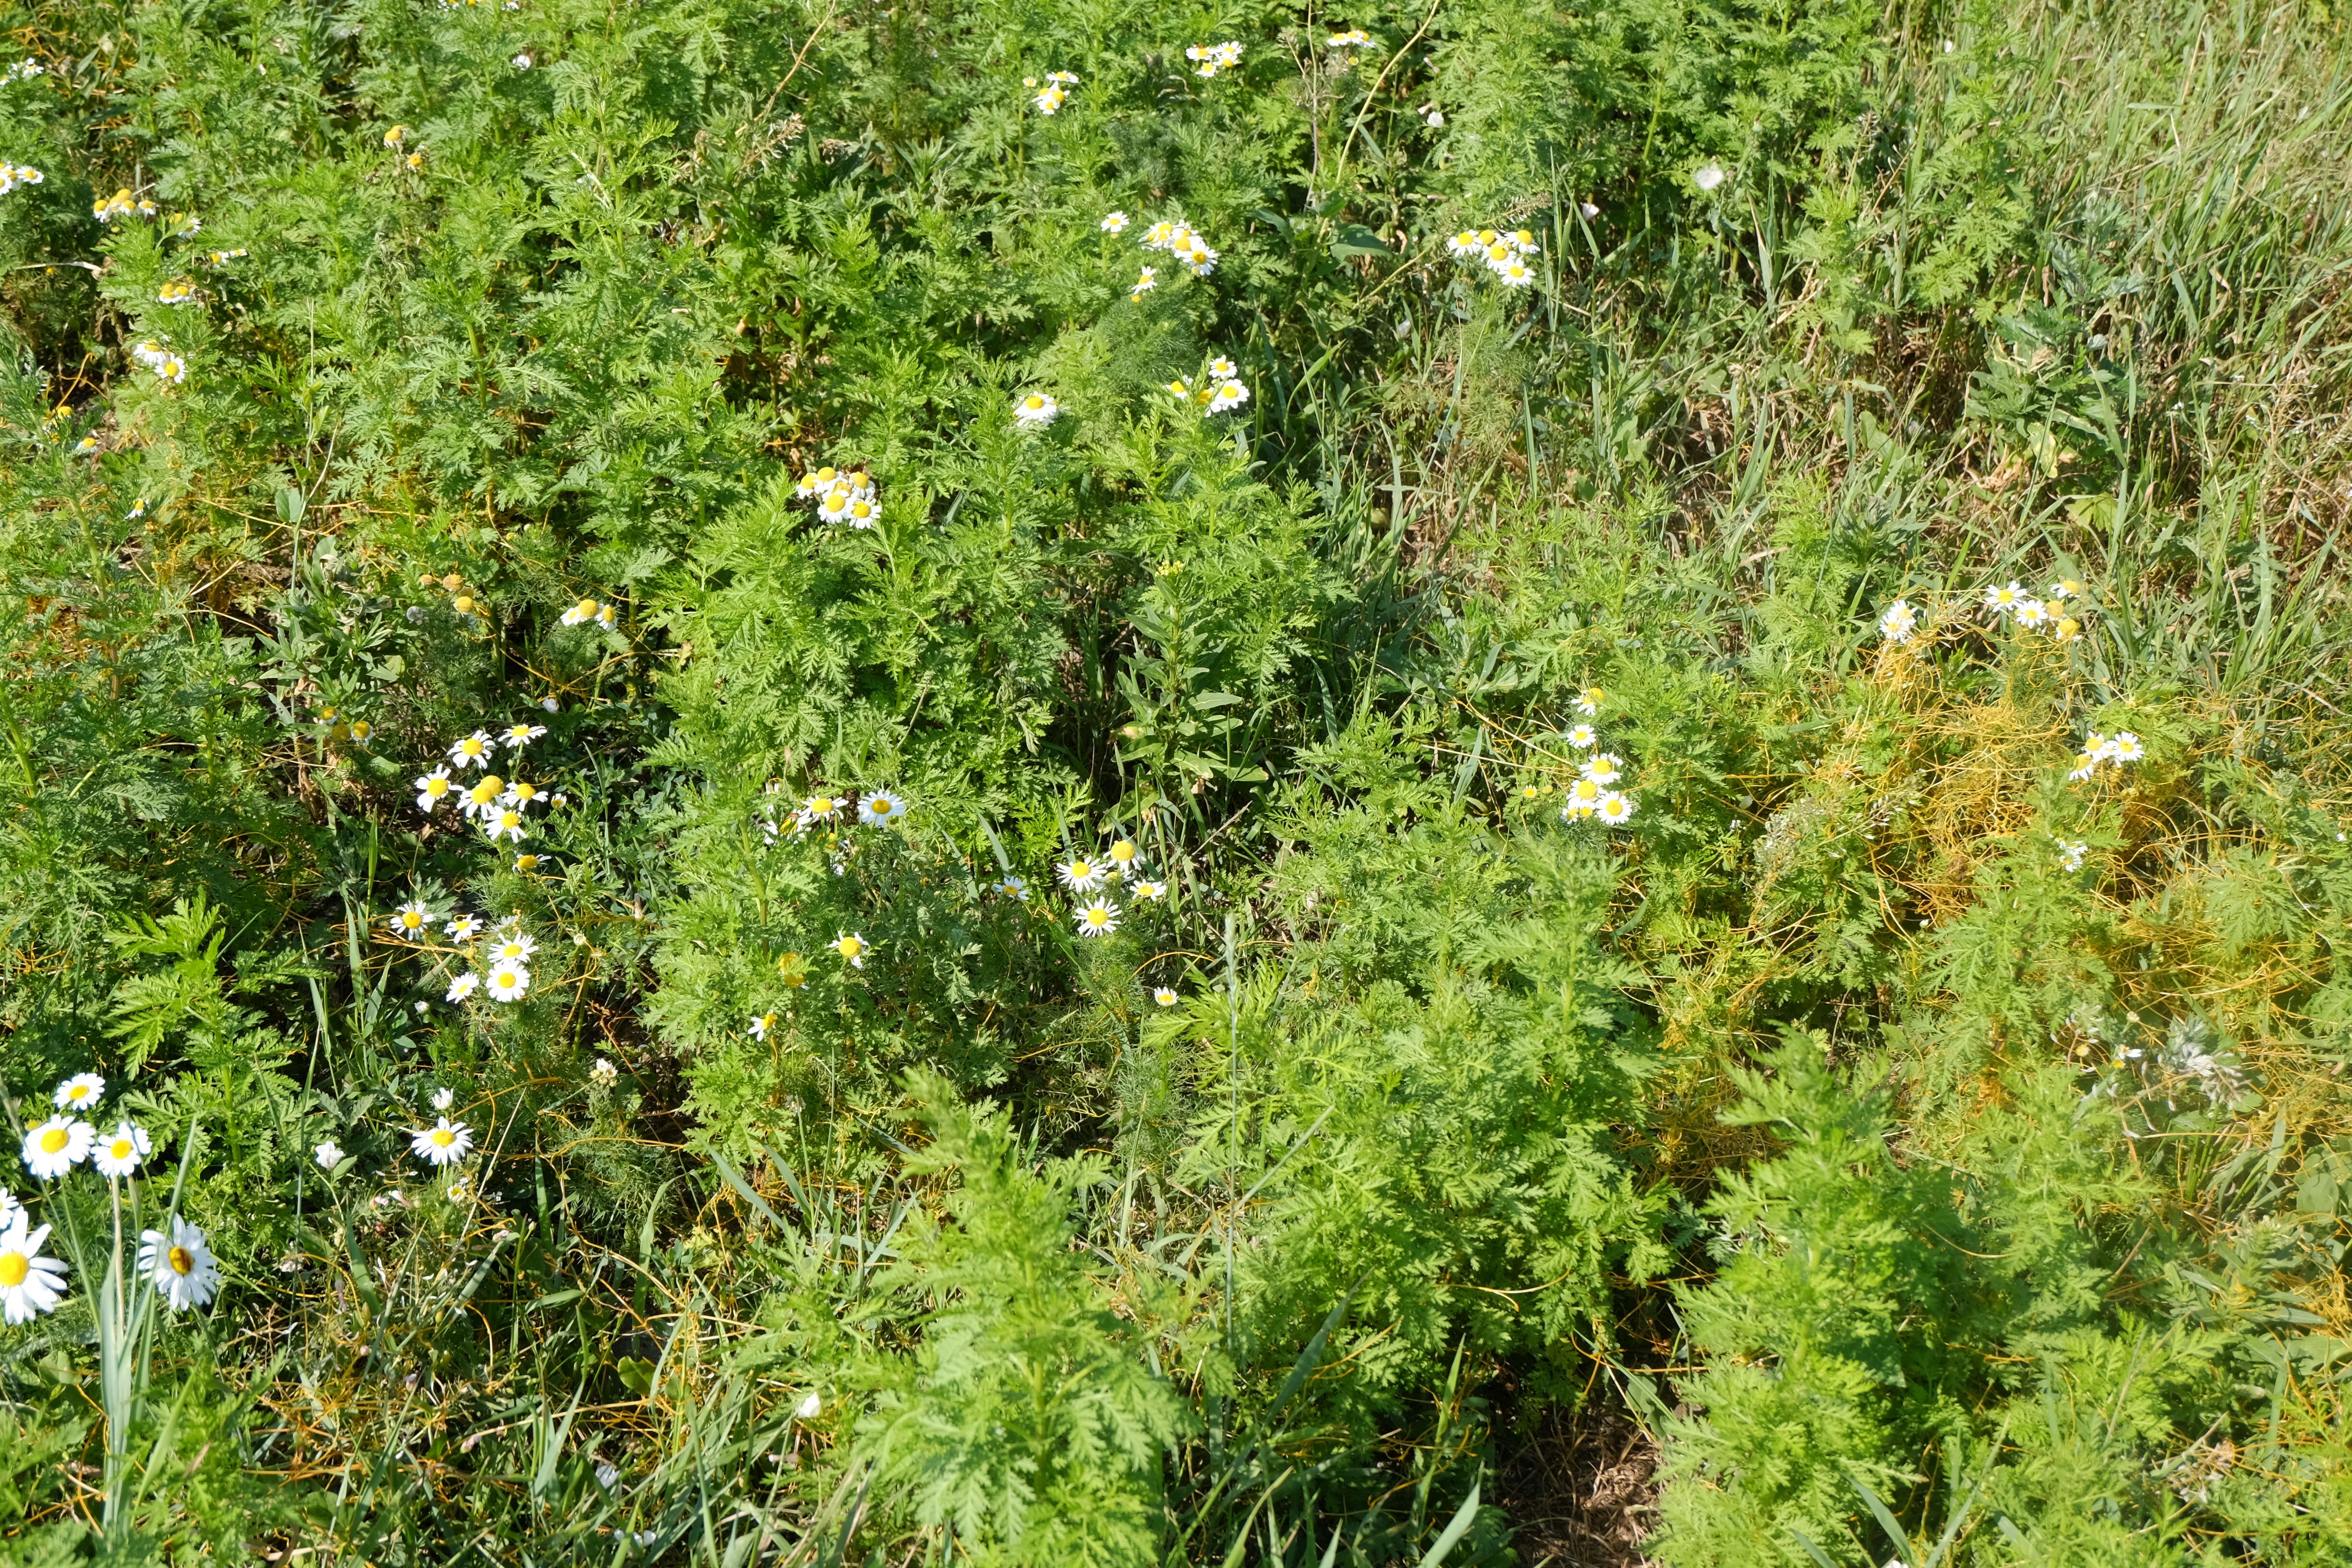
(1220, 390)
(1178, 239)
(168, 367)
(1590, 799)
(1899, 623)
(876, 808)
(494, 803)
(14, 175)
(178, 291)
(1208, 60)
(1052, 92)
(587, 610)
(503, 956)
(1353, 38)
(177, 1260)
(2113, 751)
(841, 496)
(1088, 877)
(1504, 255)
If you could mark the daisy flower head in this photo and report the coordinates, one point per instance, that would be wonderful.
(1231, 394)
(1144, 887)
(1063, 79)
(1603, 768)
(1583, 737)
(411, 920)
(1166, 996)
(1588, 702)
(2065, 588)
(465, 928)
(442, 1144)
(1123, 857)
(1050, 99)
(472, 751)
(2071, 854)
(816, 482)
(329, 1154)
(504, 823)
(1583, 800)
(512, 946)
(1113, 223)
(1097, 917)
(395, 136)
(1145, 282)
(119, 1152)
(222, 258)
(517, 736)
(881, 809)
(1222, 369)
(586, 610)
(1180, 388)
(861, 513)
(761, 1024)
(1156, 238)
(2032, 614)
(2066, 629)
(54, 1147)
(180, 1263)
(30, 1282)
(1523, 241)
(526, 864)
(1514, 274)
(1465, 245)
(2126, 747)
(853, 947)
(1615, 808)
(170, 369)
(444, 1098)
(1497, 251)
(1899, 622)
(603, 1075)
(464, 986)
(1200, 258)
(483, 797)
(520, 794)
(507, 981)
(1081, 875)
(79, 1092)
(822, 807)
(2001, 598)
(1035, 411)
(106, 209)
(1015, 887)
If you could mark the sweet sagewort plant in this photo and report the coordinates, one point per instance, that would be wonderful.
(1078, 786)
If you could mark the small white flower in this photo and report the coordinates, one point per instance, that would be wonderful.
(465, 985)
(181, 1264)
(1097, 917)
(1148, 890)
(119, 1152)
(1583, 737)
(1588, 702)
(506, 824)
(1145, 283)
(410, 921)
(1081, 875)
(807, 1409)
(1603, 768)
(79, 1092)
(1614, 809)
(329, 1154)
(2001, 599)
(1035, 411)
(1014, 888)
(465, 928)
(513, 947)
(762, 1023)
(30, 1283)
(1221, 369)
(853, 947)
(443, 1143)
(603, 1075)
(522, 61)
(2032, 614)
(881, 809)
(1166, 996)
(473, 752)
(507, 981)
(2070, 854)
(1113, 223)
(444, 1098)
(1231, 394)
(1708, 175)
(517, 736)
(2126, 747)
(1583, 799)
(1899, 622)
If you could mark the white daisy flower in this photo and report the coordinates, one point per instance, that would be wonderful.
(1353, 38)
(431, 789)
(1145, 282)
(881, 809)
(1708, 175)
(1081, 875)
(329, 1154)
(1588, 702)
(1097, 917)
(1144, 887)
(171, 369)
(1583, 737)
(1156, 238)
(1014, 888)
(822, 807)
(761, 1024)
(1514, 274)
(1604, 768)
(119, 1152)
(1899, 622)
(473, 752)
(443, 1143)
(513, 947)
(2066, 629)
(465, 985)
(506, 824)
(519, 793)
(1035, 411)
(410, 921)
(853, 947)
(1231, 394)
(11, 1211)
(603, 1075)
(2032, 614)
(1583, 800)
(1223, 369)
(2070, 854)
(2065, 588)
(180, 1263)
(1113, 223)
(30, 1283)
(2126, 747)
(484, 797)
(507, 981)
(586, 610)
(444, 1098)
(861, 513)
(1166, 996)
(54, 1147)
(2001, 600)
(1614, 809)
(79, 1092)
(1123, 857)
(517, 736)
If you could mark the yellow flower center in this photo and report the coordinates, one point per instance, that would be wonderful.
(1036, 403)
(13, 1266)
(180, 1260)
(443, 1137)
(850, 947)
(436, 788)
(526, 862)
(122, 1148)
(55, 1139)
(1123, 851)
(412, 919)
(472, 747)
(1095, 917)
(77, 1093)
(1587, 790)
